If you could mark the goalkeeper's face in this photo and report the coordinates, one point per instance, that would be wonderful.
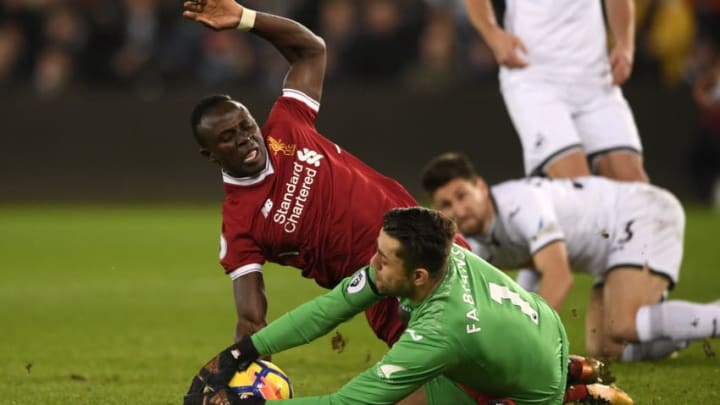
(467, 202)
(391, 278)
(233, 139)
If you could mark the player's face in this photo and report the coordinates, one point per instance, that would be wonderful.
(390, 276)
(464, 201)
(233, 139)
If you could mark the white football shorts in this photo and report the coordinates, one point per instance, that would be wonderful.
(552, 119)
(649, 231)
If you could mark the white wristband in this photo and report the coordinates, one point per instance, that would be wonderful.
(247, 20)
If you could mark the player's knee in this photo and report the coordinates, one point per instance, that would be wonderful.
(571, 164)
(610, 350)
(604, 349)
(621, 166)
(631, 173)
(621, 329)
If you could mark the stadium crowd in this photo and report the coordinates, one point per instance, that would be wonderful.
(50, 47)
(53, 45)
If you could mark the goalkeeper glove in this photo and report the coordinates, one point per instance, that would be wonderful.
(217, 373)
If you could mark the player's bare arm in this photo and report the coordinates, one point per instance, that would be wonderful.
(553, 263)
(215, 14)
(621, 19)
(304, 50)
(504, 45)
(251, 304)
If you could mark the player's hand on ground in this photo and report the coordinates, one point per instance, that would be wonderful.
(621, 61)
(216, 14)
(217, 373)
(507, 47)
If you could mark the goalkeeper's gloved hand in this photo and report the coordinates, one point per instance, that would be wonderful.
(217, 373)
(223, 396)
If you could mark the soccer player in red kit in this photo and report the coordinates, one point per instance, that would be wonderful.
(293, 197)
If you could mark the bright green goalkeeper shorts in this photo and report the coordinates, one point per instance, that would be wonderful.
(442, 391)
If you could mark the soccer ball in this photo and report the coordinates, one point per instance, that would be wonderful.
(264, 379)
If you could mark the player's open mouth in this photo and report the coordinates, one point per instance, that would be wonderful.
(252, 155)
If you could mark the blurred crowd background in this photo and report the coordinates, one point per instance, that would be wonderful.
(52, 48)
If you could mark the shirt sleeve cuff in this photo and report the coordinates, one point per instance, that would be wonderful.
(303, 98)
(246, 269)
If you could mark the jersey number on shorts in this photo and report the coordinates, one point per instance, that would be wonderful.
(628, 232)
(500, 292)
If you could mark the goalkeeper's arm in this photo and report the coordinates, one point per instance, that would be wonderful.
(319, 316)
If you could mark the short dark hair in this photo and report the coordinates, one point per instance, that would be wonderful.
(426, 237)
(444, 168)
(199, 111)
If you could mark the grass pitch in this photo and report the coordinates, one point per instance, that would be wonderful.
(122, 304)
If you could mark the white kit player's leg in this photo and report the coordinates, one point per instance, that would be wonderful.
(570, 164)
(626, 290)
(609, 135)
(623, 165)
(655, 350)
(644, 262)
(597, 343)
(678, 320)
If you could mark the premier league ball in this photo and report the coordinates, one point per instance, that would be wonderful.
(264, 379)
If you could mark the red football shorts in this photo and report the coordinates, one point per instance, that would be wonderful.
(384, 319)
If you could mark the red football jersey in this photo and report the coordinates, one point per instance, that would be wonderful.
(315, 206)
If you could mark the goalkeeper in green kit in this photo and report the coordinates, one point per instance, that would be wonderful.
(473, 334)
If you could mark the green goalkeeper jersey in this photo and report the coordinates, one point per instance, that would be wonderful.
(478, 328)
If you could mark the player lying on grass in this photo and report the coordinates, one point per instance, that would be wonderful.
(473, 333)
(629, 235)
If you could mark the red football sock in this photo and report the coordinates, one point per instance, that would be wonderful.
(575, 393)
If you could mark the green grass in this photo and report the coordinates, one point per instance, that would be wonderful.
(122, 304)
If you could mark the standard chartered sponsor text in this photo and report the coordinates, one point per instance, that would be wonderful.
(297, 191)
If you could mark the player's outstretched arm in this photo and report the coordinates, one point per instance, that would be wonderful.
(320, 315)
(304, 50)
(504, 45)
(250, 303)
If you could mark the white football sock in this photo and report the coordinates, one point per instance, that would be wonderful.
(529, 279)
(657, 349)
(677, 320)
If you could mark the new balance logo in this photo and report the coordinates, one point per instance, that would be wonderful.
(267, 207)
(309, 156)
(387, 370)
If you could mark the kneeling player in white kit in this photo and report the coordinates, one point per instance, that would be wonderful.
(629, 235)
